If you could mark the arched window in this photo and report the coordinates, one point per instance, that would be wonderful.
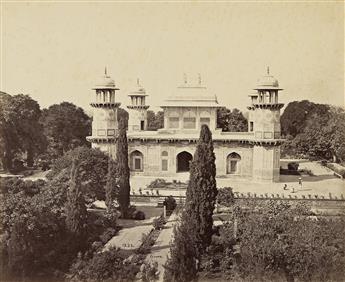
(183, 161)
(164, 155)
(232, 163)
(136, 161)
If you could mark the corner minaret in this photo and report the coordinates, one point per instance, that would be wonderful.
(137, 110)
(104, 123)
(264, 123)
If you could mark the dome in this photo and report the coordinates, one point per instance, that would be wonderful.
(267, 82)
(105, 82)
(138, 90)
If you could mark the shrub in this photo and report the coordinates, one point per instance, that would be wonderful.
(107, 235)
(225, 196)
(158, 223)
(337, 168)
(139, 215)
(170, 203)
(293, 166)
(159, 182)
(110, 265)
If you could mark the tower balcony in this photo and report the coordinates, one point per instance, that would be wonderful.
(144, 107)
(273, 106)
(108, 105)
(101, 139)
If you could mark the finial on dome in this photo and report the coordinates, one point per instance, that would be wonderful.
(138, 82)
(268, 70)
(185, 78)
(199, 78)
(105, 71)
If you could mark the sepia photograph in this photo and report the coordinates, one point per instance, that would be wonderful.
(172, 141)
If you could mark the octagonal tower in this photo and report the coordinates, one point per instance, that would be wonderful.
(105, 123)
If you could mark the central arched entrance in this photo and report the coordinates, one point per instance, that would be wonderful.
(183, 161)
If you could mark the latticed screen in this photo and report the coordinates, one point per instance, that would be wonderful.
(189, 123)
(173, 122)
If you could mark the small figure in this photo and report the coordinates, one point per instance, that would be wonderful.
(285, 187)
(140, 191)
(300, 181)
(293, 190)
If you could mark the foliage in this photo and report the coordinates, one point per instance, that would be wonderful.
(296, 114)
(170, 203)
(313, 130)
(34, 234)
(111, 188)
(157, 183)
(225, 197)
(293, 166)
(149, 272)
(20, 131)
(155, 120)
(202, 191)
(122, 115)
(159, 222)
(76, 214)
(93, 169)
(336, 168)
(123, 172)
(291, 245)
(66, 127)
(233, 121)
(17, 185)
(110, 265)
(182, 266)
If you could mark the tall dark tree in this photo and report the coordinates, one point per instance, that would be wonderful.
(66, 127)
(182, 264)
(76, 213)
(232, 121)
(111, 190)
(202, 189)
(123, 170)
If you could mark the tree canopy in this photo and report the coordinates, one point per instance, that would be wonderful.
(155, 120)
(231, 120)
(20, 130)
(66, 127)
(314, 130)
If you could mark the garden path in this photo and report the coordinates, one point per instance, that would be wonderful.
(161, 249)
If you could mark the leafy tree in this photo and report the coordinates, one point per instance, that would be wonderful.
(20, 131)
(155, 120)
(93, 169)
(123, 171)
(232, 121)
(202, 191)
(323, 136)
(76, 214)
(28, 127)
(296, 114)
(66, 127)
(183, 261)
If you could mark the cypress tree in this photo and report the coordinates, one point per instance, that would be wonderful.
(123, 171)
(111, 190)
(202, 190)
(76, 213)
(182, 265)
(110, 187)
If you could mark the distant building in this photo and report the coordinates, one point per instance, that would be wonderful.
(167, 152)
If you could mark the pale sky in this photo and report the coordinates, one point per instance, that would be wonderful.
(57, 51)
